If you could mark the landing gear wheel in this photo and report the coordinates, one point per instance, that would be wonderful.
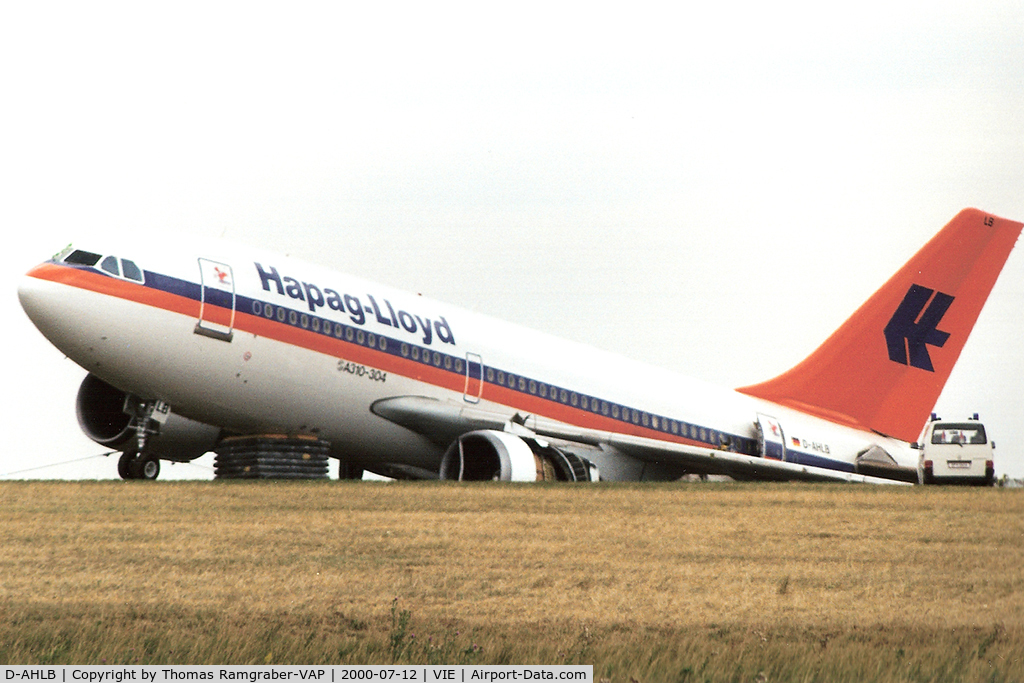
(349, 471)
(124, 465)
(132, 466)
(147, 468)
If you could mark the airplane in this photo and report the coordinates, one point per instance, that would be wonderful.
(191, 348)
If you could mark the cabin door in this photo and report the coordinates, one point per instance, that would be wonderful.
(770, 438)
(216, 300)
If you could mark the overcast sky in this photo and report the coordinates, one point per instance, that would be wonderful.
(710, 188)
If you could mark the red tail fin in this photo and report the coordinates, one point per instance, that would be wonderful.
(884, 368)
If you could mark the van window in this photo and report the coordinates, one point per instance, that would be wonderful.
(959, 433)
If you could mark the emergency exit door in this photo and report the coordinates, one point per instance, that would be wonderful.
(474, 378)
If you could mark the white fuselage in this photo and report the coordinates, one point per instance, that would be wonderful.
(256, 342)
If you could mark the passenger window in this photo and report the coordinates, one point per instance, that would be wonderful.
(109, 264)
(131, 271)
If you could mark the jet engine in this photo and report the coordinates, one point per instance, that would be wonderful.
(491, 455)
(105, 415)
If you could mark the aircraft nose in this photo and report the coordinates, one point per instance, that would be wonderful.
(40, 301)
(68, 317)
(29, 293)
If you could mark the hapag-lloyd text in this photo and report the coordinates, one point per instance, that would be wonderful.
(384, 313)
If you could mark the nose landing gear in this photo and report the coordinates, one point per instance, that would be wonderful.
(147, 416)
(137, 466)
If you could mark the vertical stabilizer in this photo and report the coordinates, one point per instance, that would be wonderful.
(885, 367)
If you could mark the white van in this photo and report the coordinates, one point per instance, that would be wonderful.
(956, 453)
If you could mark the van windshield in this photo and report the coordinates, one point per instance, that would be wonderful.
(964, 433)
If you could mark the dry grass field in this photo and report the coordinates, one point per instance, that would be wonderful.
(681, 582)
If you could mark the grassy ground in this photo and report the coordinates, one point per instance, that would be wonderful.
(682, 582)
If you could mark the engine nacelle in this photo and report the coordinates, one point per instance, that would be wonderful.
(101, 415)
(490, 455)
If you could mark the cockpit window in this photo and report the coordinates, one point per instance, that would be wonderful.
(82, 258)
(130, 270)
(110, 265)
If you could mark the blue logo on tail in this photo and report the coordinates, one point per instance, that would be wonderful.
(909, 332)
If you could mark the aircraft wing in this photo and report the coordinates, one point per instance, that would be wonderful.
(443, 423)
(737, 465)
